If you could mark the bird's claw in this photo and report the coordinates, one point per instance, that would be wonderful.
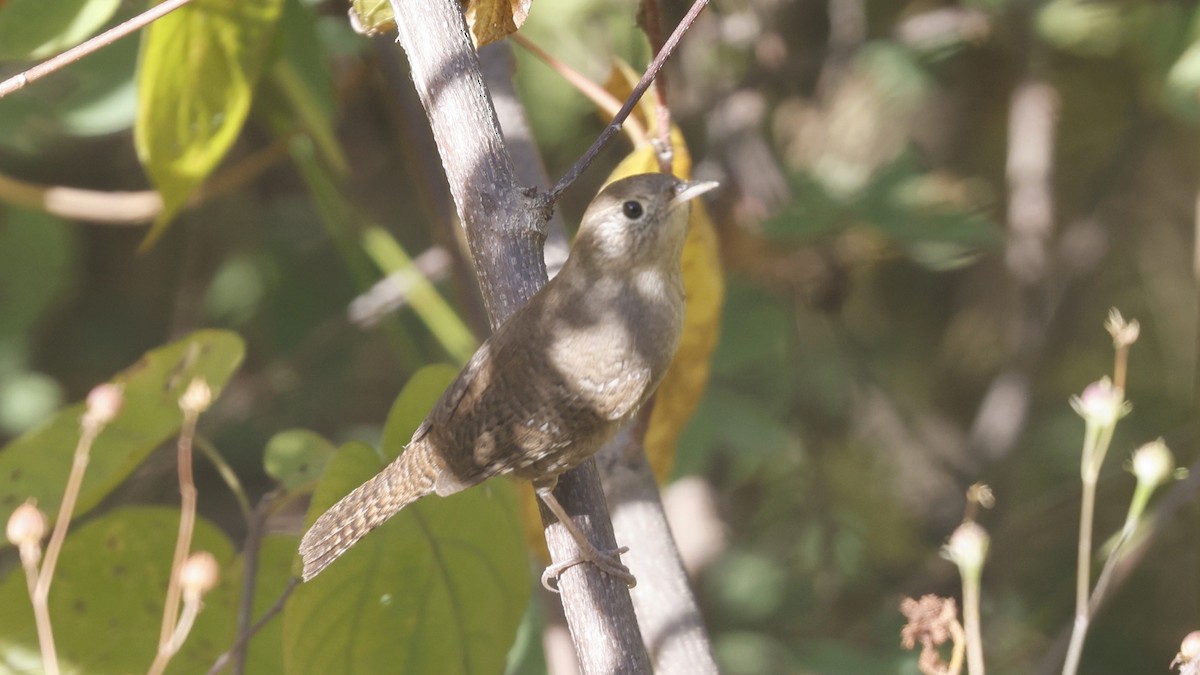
(609, 562)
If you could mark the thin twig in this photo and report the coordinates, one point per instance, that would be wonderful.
(228, 475)
(63, 521)
(250, 576)
(635, 96)
(650, 20)
(1105, 578)
(79, 51)
(239, 646)
(41, 618)
(194, 401)
(97, 206)
(1095, 447)
(41, 591)
(598, 95)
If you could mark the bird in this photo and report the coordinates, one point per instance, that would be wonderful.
(555, 381)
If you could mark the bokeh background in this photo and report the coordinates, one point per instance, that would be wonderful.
(928, 210)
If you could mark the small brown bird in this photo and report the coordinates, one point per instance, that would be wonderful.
(555, 381)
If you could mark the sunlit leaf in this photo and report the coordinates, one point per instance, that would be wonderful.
(196, 78)
(107, 600)
(440, 588)
(35, 29)
(37, 463)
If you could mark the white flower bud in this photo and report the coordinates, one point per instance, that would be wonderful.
(1101, 404)
(197, 398)
(1153, 463)
(26, 525)
(104, 403)
(1189, 650)
(199, 575)
(1124, 333)
(967, 547)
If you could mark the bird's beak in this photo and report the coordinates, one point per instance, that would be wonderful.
(690, 190)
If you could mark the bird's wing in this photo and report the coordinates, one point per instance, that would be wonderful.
(443, 411)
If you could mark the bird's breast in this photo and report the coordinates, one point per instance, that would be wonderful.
(613, 356)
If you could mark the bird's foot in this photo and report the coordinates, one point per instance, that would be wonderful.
(609, 562)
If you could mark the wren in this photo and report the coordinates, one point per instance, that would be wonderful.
(555, 381)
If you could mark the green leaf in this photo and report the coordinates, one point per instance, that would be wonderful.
(107, 599)
(37, 463)
(33, 29)
(296, 456)
(440, 588)
(196, 77)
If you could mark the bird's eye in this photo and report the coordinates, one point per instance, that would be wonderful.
(632, 209)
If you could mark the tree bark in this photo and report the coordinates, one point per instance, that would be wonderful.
(672, 628)
(505, 230)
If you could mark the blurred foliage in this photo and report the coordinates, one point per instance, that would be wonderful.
(114, 573)
(895, 328)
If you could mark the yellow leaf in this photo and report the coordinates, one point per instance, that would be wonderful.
(492, 20)
(489, 20)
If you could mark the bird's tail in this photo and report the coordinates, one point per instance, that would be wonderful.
(408, 478)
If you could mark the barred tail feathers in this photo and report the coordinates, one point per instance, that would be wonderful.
(409, 477)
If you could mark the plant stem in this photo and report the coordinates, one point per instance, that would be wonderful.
(95, 44)
(183, 542)
(974, 636)
(39, 591)
(1082, 575)
(41, 617)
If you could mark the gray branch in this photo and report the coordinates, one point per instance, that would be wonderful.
(505, 230)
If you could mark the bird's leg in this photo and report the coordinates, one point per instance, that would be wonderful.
(608, 561)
